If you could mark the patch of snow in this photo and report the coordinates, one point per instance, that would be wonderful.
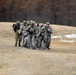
(71, 41)
(56, 37)
(71, 36)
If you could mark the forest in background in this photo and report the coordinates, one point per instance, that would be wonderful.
(55, 11)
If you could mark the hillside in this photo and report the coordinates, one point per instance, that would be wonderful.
(60, 60)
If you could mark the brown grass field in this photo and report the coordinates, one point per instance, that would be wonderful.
(60, 60)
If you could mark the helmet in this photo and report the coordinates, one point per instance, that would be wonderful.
(47, 23)
(17, 22)
(24, 21)
(32, 23)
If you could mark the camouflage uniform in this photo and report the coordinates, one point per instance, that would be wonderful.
(17, 35)
(38, 39)
(23, 31)
(48, 31)
(31, 30)
(41, 36)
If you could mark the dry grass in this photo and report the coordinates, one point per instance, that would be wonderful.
(62, 30)
(60, 60)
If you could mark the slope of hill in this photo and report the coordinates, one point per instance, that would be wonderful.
(60, 60)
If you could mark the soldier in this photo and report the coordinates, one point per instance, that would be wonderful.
(31, 34)
(16, 28)
(48, 31)
(38, 28)
(38, 39)
(23, 31)
(41, 36)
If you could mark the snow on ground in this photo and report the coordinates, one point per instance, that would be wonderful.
(56, 37)
(60, 60)
(68, 36)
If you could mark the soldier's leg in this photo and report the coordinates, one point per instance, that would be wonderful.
(16, 42)
(19, 43)
(48, 42)
(16, 39)
(37, 41)
(40, 43)
(29, 41)
(33, 44)
(26, 42)
(23, 40)
(20, 39)
(43, 44)
(48, 45)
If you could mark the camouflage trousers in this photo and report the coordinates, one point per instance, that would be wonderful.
(42, 43)
(48, 41)
(32, 41)
(25, 40)
(18, 39)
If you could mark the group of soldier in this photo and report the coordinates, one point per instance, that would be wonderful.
(33, 35)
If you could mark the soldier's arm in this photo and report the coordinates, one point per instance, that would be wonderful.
(38, 34)
(21, 29)
(28, 28)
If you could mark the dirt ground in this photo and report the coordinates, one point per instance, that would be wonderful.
(60, 60)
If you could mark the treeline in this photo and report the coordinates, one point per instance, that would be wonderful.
(54, 11)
